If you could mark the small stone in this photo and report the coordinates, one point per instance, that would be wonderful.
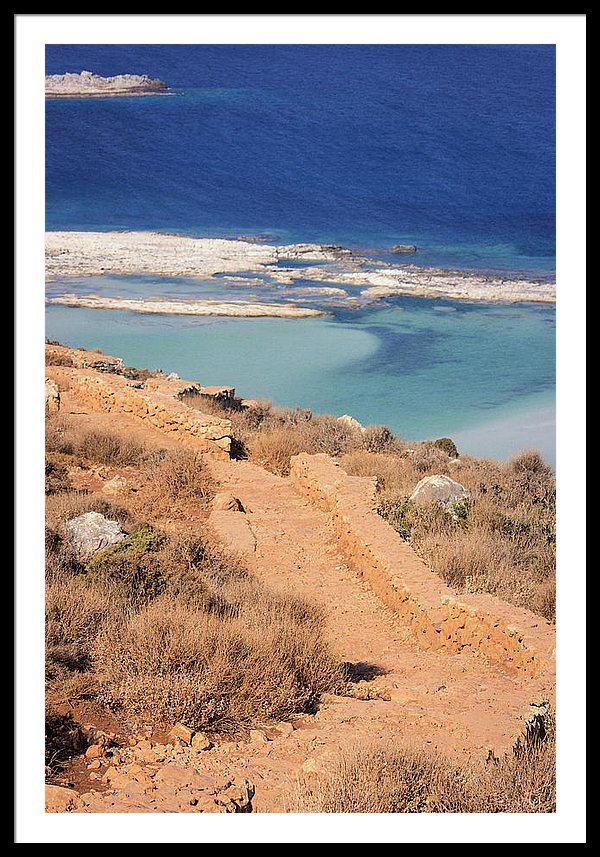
(201, 742)
(207, 803)
(258, 737)
(283, 728)
(93, 751)
(59, 799)
(94, 765)
(116, 485)
(309, 766)
(224, 502)
(183, 732)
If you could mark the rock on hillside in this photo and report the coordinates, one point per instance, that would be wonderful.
(91, 532)
(439, 488)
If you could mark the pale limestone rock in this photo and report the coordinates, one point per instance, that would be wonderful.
(349, 421)
(88, 84)
(439, 488)
(91, 532)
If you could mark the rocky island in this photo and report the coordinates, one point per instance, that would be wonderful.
(86, 83)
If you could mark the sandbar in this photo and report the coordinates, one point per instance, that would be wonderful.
(192, 307)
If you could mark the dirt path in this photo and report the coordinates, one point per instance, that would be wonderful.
(456, 704)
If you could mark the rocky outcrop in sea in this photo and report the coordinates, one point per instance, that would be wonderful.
(88, 84)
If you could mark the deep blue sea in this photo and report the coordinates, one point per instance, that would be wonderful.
(449, 147)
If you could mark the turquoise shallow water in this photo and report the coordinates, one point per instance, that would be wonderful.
(449, 147)
(483, 374)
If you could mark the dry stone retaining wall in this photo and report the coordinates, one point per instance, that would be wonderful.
(517, 641)
(156, 402)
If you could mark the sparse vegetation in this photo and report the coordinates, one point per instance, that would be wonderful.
(502, 541)
(216, 662)
(169, 626)
(175, 629)
(65, 436)
(163, 627)
(380, 779)
(176, 475)
(57, 476)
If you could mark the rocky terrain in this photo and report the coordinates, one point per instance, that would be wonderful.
(93, 85)
(464, 676)
(77, 254)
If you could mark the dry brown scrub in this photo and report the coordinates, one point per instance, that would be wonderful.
(380, 779)
(270, 436)
(502, 541)
(160, 627)
(180, 631)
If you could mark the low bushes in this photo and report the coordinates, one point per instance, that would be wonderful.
(176, 476)
(213, 669)
(380, 779)
(65, 436)
(172, 628)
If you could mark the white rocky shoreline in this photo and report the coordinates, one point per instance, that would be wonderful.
(81, 254)
(91, 85)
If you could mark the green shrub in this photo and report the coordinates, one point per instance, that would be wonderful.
(133, 564)
(446, 444)
(399, 513)
(460, 511)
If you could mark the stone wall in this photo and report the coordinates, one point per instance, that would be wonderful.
(156, 402)
(515, 640)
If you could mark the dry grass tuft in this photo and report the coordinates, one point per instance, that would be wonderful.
(380, 779)
(65, 436)
(174, 476)
(75, 613)
(56, 476)
(217, 668)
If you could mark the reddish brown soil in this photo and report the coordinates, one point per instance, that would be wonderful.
(457, 704)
